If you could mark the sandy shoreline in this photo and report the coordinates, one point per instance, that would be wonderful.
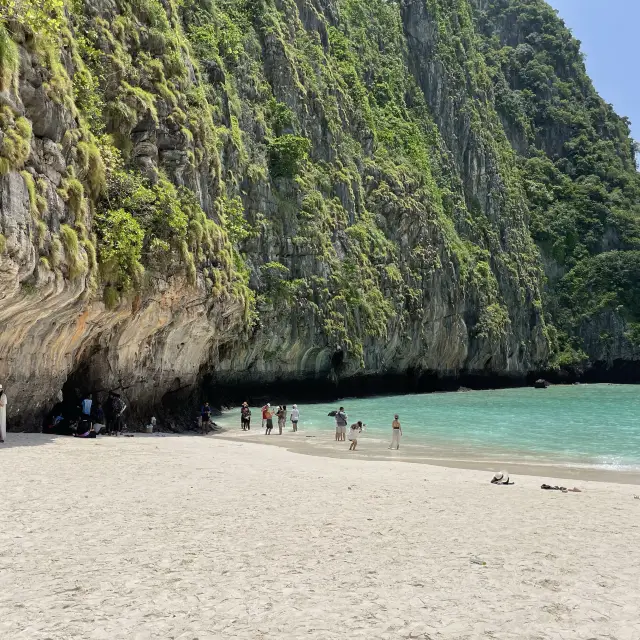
(315, 442)
(192, 537)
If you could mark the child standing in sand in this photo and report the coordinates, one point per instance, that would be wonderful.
(354, 434)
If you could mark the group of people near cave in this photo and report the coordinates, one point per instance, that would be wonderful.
(86, 417)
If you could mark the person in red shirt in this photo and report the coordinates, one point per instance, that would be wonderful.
(265, 410)
(269, 415)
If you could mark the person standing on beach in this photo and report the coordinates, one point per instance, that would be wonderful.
(114, 410)
(341, 425)
(282, 418)
(265, 410)
(205, 414)
(97, 417)
(245, 417)
(295, 416)
(87, 402)
(396, 432)
(354, 434)
(3, 414)
(269, 420)
(85, 418)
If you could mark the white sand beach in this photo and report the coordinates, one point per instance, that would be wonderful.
(192, 537)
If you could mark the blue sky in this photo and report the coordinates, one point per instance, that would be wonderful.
(608, 30)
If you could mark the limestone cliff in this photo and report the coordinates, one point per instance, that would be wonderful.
(252, 190)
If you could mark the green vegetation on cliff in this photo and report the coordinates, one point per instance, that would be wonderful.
(376, 172)
(578, 161)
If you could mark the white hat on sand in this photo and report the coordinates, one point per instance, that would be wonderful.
(502, 477)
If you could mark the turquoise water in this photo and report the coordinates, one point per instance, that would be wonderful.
(594, 426)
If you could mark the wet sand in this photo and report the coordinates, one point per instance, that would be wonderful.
(322, 443)
(204, 537)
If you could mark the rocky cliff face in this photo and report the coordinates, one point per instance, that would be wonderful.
(57, 319)
(580, 178)
(251, 191)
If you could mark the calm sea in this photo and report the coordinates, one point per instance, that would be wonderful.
(594, 426)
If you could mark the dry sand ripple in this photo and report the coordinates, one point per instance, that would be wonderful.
(188, 537)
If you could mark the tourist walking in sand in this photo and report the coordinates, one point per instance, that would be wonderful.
(3, 414)
(396, 431)
(295, 416)
(354, 434)
(245, 417)
(269, 420)
(341, 425)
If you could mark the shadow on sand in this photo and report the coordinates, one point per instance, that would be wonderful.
(27, 440)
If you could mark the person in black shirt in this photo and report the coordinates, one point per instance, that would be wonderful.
(114, 410)
(205, 415)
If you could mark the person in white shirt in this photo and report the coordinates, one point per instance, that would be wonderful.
(3, 414)
(86, 405)
(354, 434)
(295, 416)
(85, 421)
